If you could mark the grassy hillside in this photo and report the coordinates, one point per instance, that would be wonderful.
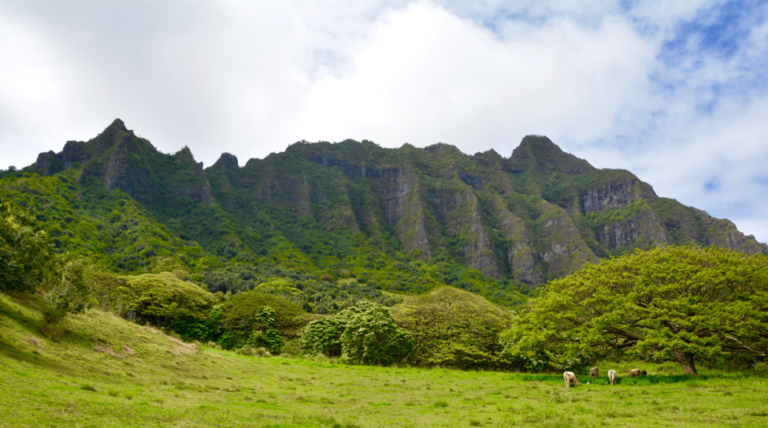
(105, 371)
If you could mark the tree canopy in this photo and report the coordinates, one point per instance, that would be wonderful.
(681, 303)
(453, 327)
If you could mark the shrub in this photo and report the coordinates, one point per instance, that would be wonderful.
(160, 298)
(363, 334)
(240, 310)
(323, 337)
(452, 327)
(271, 340)
(68, 290)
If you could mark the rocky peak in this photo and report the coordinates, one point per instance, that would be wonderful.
(227, 160)
(117, 125)
(113, 132)
(540, 154)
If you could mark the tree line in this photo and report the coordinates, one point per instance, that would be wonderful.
(687, 304)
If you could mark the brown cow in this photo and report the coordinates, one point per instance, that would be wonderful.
(570, 378)
(595, 372)
(634, 373)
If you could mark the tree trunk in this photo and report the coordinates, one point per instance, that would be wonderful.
(686, 359)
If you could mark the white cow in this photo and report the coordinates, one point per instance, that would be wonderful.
(570, 378)
(612, 376)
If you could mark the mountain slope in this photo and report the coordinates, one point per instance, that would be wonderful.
(404, 218)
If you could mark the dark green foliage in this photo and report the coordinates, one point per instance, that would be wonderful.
(372, 337)
(204, 330)
(241, 314)
(453, 328)
(26, 252)
(254, 332)
(271, 339)
(324, 336)
(363, 334)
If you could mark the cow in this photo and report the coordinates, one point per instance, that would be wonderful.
(634, 373)
(612, 376)
(595, 372)
(570, 378)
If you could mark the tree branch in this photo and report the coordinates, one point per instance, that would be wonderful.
(743, 345)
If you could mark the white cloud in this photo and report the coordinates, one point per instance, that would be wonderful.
(40, 90)
(426, 76)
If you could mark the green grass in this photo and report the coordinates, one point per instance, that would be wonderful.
(168, 383)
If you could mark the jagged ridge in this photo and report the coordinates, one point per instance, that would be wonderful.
(539, 214)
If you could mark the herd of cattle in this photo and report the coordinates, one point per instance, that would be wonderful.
(570, 378)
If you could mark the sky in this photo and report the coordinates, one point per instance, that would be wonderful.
(676, 92)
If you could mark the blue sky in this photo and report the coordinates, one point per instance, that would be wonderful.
(676, 92)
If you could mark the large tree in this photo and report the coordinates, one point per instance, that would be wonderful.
(680, 303)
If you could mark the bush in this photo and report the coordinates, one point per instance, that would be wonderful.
(161, 298)
(240, 310)
(363, 334)
(453, 327)
(68, 290)
(259, 319)
(323, 337)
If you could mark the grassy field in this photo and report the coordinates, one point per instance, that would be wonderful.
(104, 371)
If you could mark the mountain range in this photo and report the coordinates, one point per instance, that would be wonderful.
(355, 207)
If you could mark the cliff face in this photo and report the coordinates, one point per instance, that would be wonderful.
(125, 162)
(539, 214)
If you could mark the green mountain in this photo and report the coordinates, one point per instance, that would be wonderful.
(399, 220)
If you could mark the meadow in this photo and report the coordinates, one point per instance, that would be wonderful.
(104, 371)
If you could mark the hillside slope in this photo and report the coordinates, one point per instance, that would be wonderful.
(432, 214)
(104, 371)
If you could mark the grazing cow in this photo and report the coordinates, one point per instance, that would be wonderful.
(570, 378)
(612, 376)
(595, 372)
(634, 373)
